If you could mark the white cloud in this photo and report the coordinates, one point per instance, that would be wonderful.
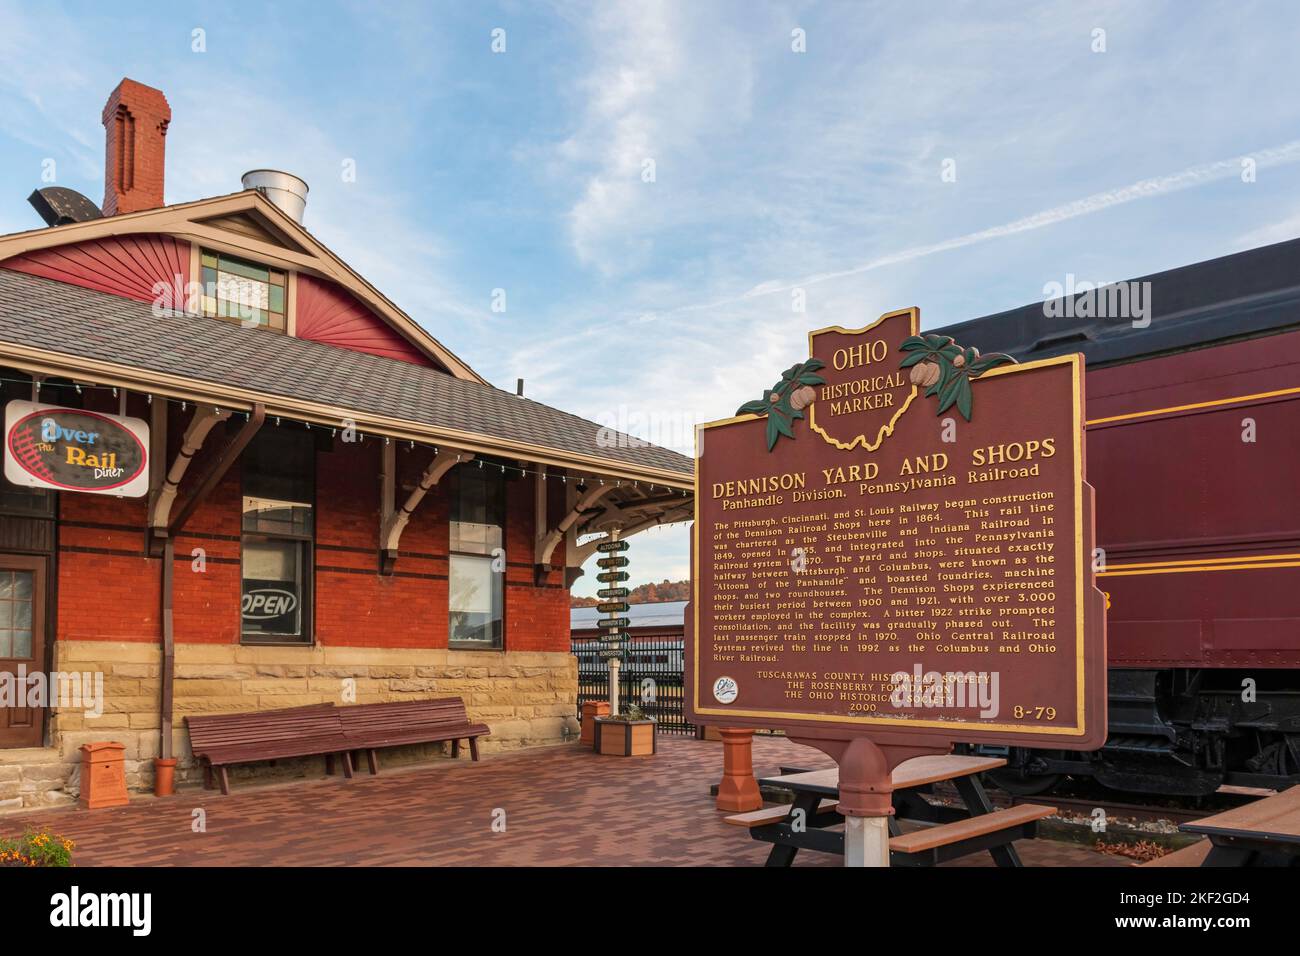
(660, 84)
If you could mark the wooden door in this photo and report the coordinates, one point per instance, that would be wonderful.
(22, 644)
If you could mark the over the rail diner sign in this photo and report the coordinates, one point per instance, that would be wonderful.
(70, 449)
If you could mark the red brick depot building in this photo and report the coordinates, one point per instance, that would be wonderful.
(238, 477)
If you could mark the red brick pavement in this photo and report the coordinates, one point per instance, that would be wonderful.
(562, 806)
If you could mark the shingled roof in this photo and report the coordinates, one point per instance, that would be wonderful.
(53, 317)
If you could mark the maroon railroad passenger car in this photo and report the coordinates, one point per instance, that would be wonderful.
(1193, 446)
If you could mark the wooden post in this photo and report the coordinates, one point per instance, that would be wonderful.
(738, 791)
(614, 686)
(866, 841)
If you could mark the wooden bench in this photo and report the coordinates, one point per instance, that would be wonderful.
(371, 726)
(1263, 833)
(931, 845)
(222, 740)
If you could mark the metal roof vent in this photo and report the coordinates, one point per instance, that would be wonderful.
(60, 206)
(284, 189)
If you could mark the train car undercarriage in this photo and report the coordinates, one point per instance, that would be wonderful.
(1179, 733)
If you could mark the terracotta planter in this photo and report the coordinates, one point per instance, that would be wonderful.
(590, 711)
(164, 776)
(624, 738)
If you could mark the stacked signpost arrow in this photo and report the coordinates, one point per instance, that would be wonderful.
(614, 602)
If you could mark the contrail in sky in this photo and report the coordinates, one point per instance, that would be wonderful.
(1155, 186)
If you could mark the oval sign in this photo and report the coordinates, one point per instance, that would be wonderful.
(72, 449)
(264, 604)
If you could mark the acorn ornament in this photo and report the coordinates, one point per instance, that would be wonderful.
(946, 369)
(803, 397)
(959, 360)
(925, 374)
(783, 404)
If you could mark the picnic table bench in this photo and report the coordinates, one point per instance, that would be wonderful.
(369, 727)
(1263, 833)
(223, 740)
(945, 833)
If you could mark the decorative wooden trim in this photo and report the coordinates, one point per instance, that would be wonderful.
(291, 306)
(393, 520)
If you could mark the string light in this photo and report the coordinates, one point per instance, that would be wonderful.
(39, 383)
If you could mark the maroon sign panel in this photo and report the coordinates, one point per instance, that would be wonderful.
(896, 540)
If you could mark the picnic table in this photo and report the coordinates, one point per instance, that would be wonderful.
(1263, 833)
(943, 833)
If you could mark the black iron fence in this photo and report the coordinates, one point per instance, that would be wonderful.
(650, 675)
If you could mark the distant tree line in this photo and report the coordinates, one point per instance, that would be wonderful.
(645, 594)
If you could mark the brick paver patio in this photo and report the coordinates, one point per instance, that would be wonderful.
(562, 805)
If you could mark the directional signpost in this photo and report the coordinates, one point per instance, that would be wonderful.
(613, 626)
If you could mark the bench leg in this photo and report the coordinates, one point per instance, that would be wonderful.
(977, 801)
(1005, 855)
(225, 781)
(473, 748)
(373, 760)
(207, 777)
(347, 764)
(781, 855)
(1228, 856)
(455, 749)
(329, 765)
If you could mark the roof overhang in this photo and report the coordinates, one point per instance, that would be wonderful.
(57, 364)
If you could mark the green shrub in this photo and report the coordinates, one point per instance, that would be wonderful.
(36, 848)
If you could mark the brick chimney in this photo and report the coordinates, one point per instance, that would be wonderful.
(135, 124)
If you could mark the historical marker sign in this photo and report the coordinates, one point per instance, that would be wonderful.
(895, 542)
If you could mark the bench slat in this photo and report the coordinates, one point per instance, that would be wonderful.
(769, 815)
(1193, 855)
(949, 833)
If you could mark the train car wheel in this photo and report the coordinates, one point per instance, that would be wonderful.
(1019, 778)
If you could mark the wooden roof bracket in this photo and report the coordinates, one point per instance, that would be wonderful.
(163, 497)
(229, 455)
(668, 516)
(393, 520)
(547, 541)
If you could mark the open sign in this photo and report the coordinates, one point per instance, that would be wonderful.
(265, 604)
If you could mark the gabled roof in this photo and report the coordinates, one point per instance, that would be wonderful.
(245, 223)
(59, 329)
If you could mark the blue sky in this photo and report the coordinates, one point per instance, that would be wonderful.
(658, 304)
